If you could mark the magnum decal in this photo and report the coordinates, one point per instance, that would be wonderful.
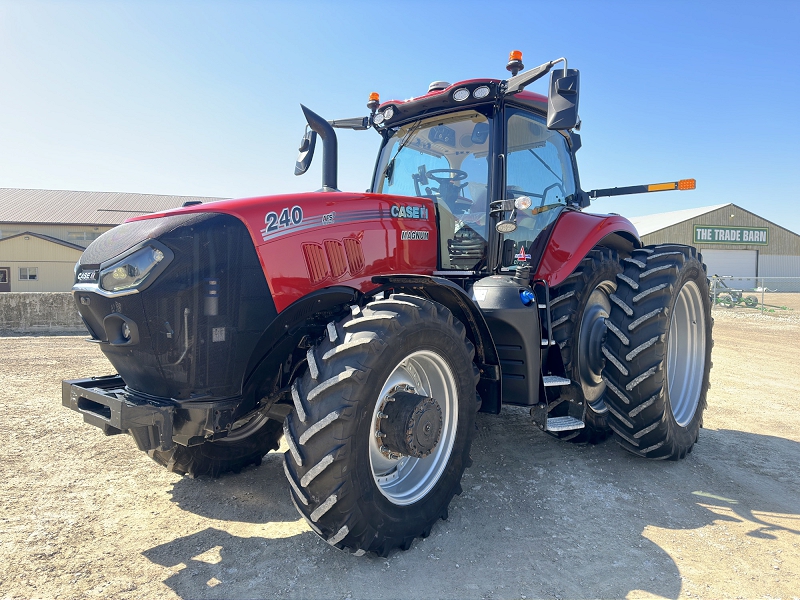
(414, 235)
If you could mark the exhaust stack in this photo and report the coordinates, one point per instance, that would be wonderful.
(330, 152)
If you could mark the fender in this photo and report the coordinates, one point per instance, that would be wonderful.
(465, 310)
(307, 316)
(575, 234)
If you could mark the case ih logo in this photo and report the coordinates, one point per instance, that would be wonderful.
(409, 212)
(522, 254)
(90, 275)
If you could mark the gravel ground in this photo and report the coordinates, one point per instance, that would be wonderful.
(83, 515)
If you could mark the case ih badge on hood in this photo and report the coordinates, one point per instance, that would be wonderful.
(315, 318)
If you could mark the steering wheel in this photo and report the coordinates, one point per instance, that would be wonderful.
(456, 175)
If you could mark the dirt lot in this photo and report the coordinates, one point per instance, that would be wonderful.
(83, 515)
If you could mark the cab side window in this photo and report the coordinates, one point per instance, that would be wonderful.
(538, 163)
(539, 166)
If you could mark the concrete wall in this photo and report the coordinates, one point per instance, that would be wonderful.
(33, 312)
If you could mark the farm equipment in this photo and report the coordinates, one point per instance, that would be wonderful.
(729, 297)
(368, 329)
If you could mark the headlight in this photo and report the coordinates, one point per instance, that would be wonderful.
(481, 92)
(461, 94)
(134, 269)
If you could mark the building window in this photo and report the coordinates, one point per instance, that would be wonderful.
(83, 236)
(28, 273)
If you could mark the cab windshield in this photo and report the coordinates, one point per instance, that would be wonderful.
(445, 159)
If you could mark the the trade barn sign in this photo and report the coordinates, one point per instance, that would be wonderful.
(713, 234)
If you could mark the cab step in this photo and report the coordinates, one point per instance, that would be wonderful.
(546, 342)
(554, 380)
(564, 424)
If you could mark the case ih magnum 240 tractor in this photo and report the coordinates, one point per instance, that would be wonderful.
(368, 329)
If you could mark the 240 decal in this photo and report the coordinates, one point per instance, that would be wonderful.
(289, 217)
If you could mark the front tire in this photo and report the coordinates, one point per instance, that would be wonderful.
(658, 351)
(246, 445)
(354, 491)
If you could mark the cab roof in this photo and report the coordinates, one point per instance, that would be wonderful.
(442, 99)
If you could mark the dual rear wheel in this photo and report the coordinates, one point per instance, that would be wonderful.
(658, 352)
(635, 338)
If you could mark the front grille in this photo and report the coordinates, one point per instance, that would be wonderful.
(200, 320)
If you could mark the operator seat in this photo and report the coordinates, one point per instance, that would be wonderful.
(461, 246)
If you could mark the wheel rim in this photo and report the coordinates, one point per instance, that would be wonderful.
(686, 353)
(244, 428)
(406, 480)
(590, 341)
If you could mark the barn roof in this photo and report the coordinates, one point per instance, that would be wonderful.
(82, 208)
(46, 238)
(650, 223)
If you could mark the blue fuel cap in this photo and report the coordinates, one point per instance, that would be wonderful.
(527, 297)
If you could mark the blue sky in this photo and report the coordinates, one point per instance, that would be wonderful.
(203, 97)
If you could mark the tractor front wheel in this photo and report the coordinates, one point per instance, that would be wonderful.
(658, 352)
(383, 422)
(246, 444)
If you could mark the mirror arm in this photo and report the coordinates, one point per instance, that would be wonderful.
(518, 82)
(357, 123)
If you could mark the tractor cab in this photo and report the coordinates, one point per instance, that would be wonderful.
(497, 161)
(498, 176)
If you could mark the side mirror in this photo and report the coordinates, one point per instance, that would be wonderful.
(562, 99)
(307, 144)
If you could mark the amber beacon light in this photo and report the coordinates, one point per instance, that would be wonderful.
(515, 62)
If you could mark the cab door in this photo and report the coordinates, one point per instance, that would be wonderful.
(539, 166)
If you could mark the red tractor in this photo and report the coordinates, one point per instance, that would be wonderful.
(368, 329)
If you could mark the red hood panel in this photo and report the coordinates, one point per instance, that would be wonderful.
(315, 240)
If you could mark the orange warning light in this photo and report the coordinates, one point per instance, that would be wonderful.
(375, 96)
(661, 187)
(515, 55)
(687, 184)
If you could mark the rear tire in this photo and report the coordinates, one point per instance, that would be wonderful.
(352, 494)
(658, 352)
(579, 307)
(244, 446)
